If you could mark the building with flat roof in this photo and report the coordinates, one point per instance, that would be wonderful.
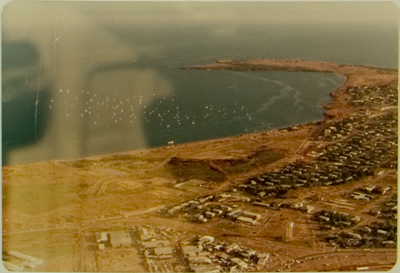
(262, 258)
(247, 220)
(120, 239)
(240, 263)
(144, 234)
(231, 247)
(205, 268)
(159, 251)
(250, 214)
(188, 249)
(198, 254)
(154, 244)
(199, 260)
(234, 213)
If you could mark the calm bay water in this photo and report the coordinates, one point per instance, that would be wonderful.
(212, 104)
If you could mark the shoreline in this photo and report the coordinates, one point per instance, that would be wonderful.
(333, 110)
(65, 202)
(354, 75)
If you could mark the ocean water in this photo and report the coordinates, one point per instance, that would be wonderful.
(226, 103)
(89, 78)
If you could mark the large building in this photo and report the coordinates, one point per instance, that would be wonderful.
(120, 239)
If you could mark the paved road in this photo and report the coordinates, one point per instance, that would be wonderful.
(77, 225)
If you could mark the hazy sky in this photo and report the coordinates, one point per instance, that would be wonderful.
(256, 12)
(239, 12)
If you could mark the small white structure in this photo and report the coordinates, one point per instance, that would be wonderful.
(253, 215)
(289, 231)
(210, 214)
(232, 247)
(323, 218)
(381, 232)
(296, 205)
(144, 234)
(309, 208)
(247, 220)
(235, 213)
(262, 258)
(101, 237)
(206, 239)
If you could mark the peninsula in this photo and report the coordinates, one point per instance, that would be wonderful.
(320, 196)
